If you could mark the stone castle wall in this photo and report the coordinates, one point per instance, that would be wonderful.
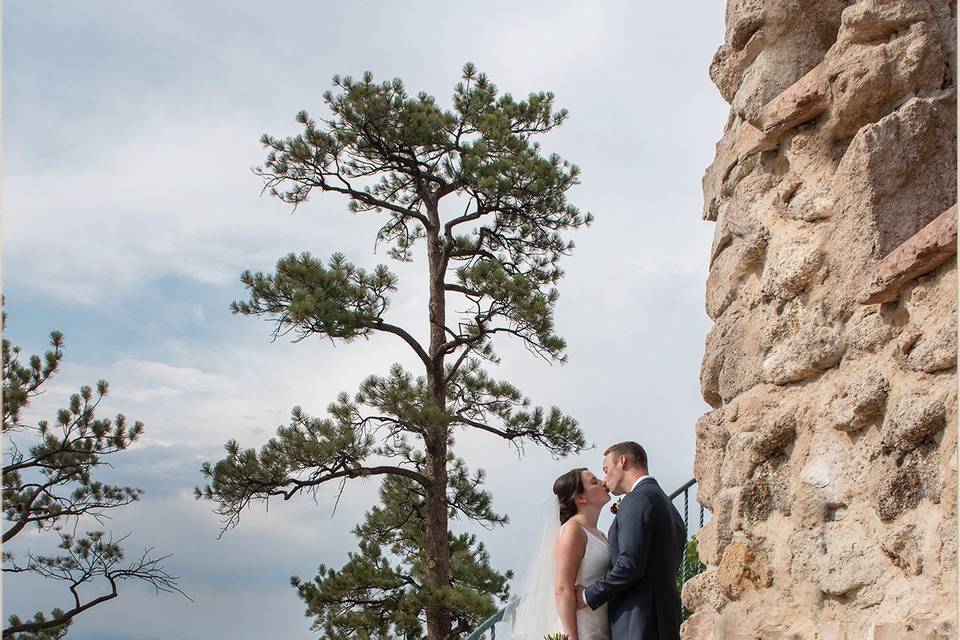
(829, 458)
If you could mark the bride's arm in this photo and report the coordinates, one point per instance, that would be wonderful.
(571, 544)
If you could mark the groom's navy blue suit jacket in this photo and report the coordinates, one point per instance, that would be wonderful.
(647, 540)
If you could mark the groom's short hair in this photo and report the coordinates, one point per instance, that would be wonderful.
(630, 450)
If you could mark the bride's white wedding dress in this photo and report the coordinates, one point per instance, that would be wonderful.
(592, 625)
(533, 614)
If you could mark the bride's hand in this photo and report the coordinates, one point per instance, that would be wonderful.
(581, 603)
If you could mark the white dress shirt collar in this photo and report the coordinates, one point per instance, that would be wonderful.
(639, 480)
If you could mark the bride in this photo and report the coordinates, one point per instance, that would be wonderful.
(572, 551)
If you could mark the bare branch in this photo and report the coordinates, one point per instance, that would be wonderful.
(380, 325)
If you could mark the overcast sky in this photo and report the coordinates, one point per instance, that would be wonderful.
(130, 211)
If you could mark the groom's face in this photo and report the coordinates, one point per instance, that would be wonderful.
(613, 474)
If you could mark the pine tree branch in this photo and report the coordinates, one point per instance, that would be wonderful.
(63, 449)
(457, 364)
(359, 472)
(92, 562)
(380, 325)
(467, 217)
(497, 432)
(25, 509)
(449, 286)
(251, 489)
(73, 508)
(33, 627)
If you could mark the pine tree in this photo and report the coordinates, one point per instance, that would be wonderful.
(494, 266)
(48, 485)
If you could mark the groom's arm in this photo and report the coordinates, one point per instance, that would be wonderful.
(633, 539)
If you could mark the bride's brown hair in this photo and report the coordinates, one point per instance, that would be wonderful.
(567, 487)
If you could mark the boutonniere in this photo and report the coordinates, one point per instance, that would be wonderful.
(616, 505)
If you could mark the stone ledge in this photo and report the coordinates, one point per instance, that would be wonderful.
(922, 253)
(799, 103)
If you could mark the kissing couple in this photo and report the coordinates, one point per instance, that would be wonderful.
(621, 586)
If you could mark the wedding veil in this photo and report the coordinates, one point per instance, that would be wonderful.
(536, 614)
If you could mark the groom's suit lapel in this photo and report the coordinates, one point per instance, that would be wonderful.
(615, 524)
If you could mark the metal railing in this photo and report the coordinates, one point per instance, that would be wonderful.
(689, 567)
(490, 623)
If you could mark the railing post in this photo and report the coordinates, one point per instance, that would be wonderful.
(686, 528)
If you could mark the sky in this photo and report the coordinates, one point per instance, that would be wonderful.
(130, 210)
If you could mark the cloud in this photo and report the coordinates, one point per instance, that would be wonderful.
(136, 215)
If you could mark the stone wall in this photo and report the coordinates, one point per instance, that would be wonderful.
(829, 458)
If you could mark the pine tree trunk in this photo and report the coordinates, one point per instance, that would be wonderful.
(439, 620)
(438, 546)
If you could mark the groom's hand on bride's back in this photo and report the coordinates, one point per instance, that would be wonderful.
(581, 602)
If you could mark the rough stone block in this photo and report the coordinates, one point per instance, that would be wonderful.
(713, 538)
(729, 65)
(712, 438)
(838, 557)
(703, 591)
(868, 330)
(743, 19)
(811, 351)
(743, 567)
(773, 437)
(792, 268)
(700, 626)
(806, 202)
(796, 35)
(935, 352)
(731, 361)
(739, 459)
(768, 490)
(741, 254)
(869, 75)
(914, 418)
(900, 491)
(734, 148)
(850, 561)
(914, 630)
(897, 175)
(873, 21)
(862, 402)
(902, 546)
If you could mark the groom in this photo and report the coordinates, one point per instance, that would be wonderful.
(647, 540)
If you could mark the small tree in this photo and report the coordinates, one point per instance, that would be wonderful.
(48, 484)
(496, 257)
(690, 567)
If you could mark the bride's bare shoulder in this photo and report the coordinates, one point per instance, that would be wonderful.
(571, 536)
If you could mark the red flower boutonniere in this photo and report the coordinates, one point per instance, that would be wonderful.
(615, 506)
